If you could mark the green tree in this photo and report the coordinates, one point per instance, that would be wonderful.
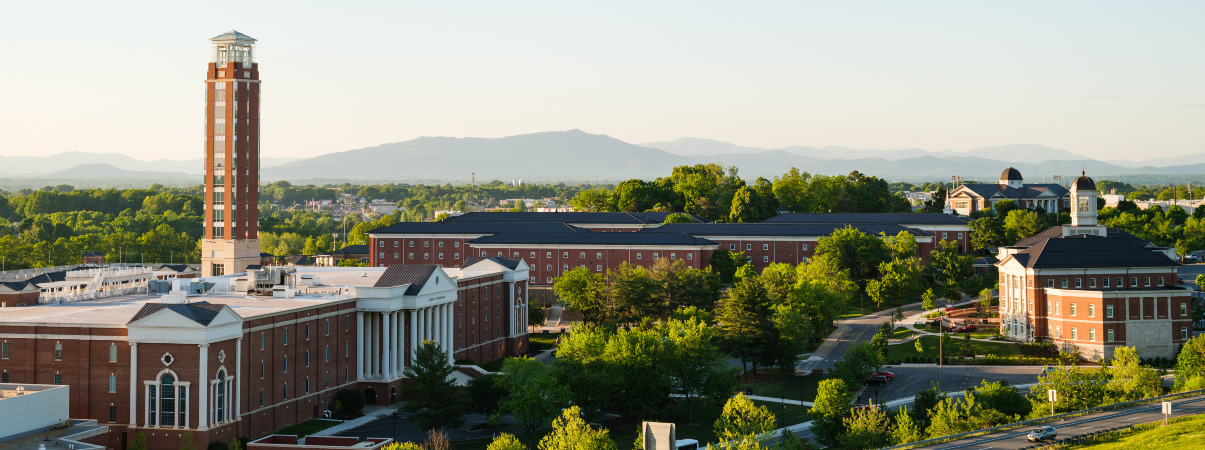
(570, 432)
(742, 420)
(906, 429)
(853, 251)
(744, 317)
(534, 397)
(138, 442)
(1190, 363)
(1020, 224)
(985, 300)
(866, 428)
(506, 441)
(678, 218)
(632, 294)
(857, 364)
(583, 291)
(829, 411)
(928, 300)
(679, 286)
(1001, 397)
(432, 395)
(726, 263)
(987, 232)
(1129, 379)
(693, 361)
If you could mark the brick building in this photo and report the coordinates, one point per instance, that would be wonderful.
(1048, 197)
(551, 254)
(235, 362)
(1091, 289)
(943, 227)
(593, 221)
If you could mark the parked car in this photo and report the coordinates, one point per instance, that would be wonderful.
(877, 380)
(1041, 434)
(885, 374)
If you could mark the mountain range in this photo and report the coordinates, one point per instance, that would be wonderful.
(575, 155)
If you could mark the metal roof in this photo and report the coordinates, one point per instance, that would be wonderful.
(483, 228)
(199, 312)
(779, 229)
(616, 218)
(416, 275)
(530, 238)
(508, 263)
(232, 35)
(1087, 251)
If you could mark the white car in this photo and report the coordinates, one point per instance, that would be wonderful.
(1041, 434)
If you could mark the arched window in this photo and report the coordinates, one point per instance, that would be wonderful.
(221, 396)
(167, 400)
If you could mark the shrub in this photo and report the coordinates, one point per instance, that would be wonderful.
(351, 400)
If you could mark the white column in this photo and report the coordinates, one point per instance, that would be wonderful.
(238, 378)
(133, 384)
(448, 345)
(146, 401)
(176, 405)
(360, 357)
(386, 348)
(202, 381)
(229, 399)
(399, 342)
(413, 334)
(422, 327)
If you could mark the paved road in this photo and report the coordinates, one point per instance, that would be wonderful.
(850, 332)
(910, 379)
(1080, 425)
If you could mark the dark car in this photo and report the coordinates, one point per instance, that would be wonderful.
(877, 380)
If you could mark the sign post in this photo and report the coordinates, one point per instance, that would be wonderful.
(1053, 396)
(1167, 411)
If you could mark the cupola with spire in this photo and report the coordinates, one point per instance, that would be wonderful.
(1011, 177)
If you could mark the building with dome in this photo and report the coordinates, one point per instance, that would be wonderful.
(1090, 289)
(969, 198)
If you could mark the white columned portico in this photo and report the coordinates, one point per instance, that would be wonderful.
(203, 399)
(360, 346)
(133, 384)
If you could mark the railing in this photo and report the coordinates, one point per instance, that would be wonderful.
(1026, 423)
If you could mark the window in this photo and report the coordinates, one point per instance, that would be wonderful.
(4, 377)
(328, 327)
(548, 280)
(639, 255)
(1064, 283)
(1160, 281)
(1050, 282)
(765, 246)
(1133, 281)
(326, 354)
(441, 244)
(598, 268)
(748, 246)
(428, 256)
(690, 256)
(564, 267)
(456, 256)
(346, 348)
(1058, 306)
(394, 244)
(286, 364)
(307, 358)
(1104, 282)
(307, 385)
(1091, 310)
(411, 255)
(548, 267)
(1074, 335)
(656, 255)
(598, 255)
(731, 246)
(1079, 283)
(4, 350)
(284, 390)
(382, 255)
(1183, 309)
(456, 244)
(261, 397)
(261, 370)
(564, 254)
(58, 352)
(1073, 310)
(804, 247)
(426, 244)
(394, 255)
(112, 383)
(112, 352)
(286, 338)
(944, 235)
(58, 378)
(1147, 281)
(1109, 335)
(547, 254)
(1028, 282)
(765, 259)
(261, 340)
(1092, 335)
(112, 414)
(581, 255)
(307, 331)
(673, 256)
(1109, 311)
(1183, 333)
(1121, 282)
(382, 244)
(411, 244)
(167, 400)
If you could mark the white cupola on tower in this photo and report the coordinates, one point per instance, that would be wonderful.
(1083, 208)
(1012, 178)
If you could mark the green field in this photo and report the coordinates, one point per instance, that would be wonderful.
(623, 430)
(791, 388)
(543, 341)
(1185, 433)
(899, 352)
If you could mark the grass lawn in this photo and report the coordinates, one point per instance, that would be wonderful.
(308, 427)
(543, 341)
(623, 430)
(792, 387)
(867, 306)
(899, 352)
(1186, 433)
(901, 333)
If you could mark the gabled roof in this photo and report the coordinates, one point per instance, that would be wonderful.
(508, 263)
(49, 277)
(1057, 232)
(232, 35)
(18, 286)
(868, 218)
(352, 250)
(592, 239)
(1088, 251)
(174, 267)
(1025, 191)
(614, 218)
(200, 312)
(778, 229)
(482, 228)
(416, 275)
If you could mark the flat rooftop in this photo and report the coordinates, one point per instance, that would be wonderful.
(334, 284)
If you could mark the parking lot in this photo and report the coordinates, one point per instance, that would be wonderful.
(910, 379)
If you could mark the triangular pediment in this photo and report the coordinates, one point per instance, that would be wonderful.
(438, 281)
(169, 318)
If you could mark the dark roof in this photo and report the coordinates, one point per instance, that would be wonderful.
(592, 239)
(1087, 251)
(778, 229)
(868, 218)
(352, 250)
(175, 267)
(49, 277)
(199, 312)
(482, 228)
(94, 253)
(266, 255)
(255, 267)
(616, 218)
(1057, 232)
(1083, 183)
(15, 285)
(1011, 174)
(508, 263)
(1025, 191)
(416, 275)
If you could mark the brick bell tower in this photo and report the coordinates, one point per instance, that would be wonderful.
(231, 237)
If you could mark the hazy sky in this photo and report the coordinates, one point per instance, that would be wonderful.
(1110, 80)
